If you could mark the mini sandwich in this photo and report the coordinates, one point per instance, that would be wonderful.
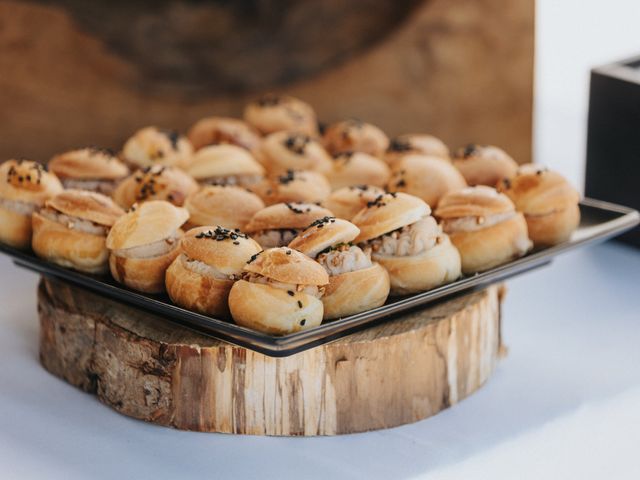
(294, 186)
(92, 169)
(24, 187)
(227, 206)
(155, 183)
(346, 202)
(549, 203)
(285, 150)
(355, 168)
(406, 240)
(153, 146)
(210, 260)
(426, 177)
(485, 227)
(355, 283)
(223, 130)
(71, 230)
(273, 113)
(280, 292)
(276, 225)
(226, 165)
(355, 136)
(143, 243)
(484, 164)
(419, 143)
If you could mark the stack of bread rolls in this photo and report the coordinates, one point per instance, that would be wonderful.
(278, 224)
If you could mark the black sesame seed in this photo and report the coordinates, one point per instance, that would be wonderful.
(288, 252)
(303, 321)
(299, 304)
(291, 294)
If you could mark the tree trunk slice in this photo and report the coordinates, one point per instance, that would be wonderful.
(153, 370)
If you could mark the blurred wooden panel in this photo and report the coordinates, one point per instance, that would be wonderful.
(461, 69)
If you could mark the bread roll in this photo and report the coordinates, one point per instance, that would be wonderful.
(407, 241)
(153, 146)
(72, 228)
(347, 201)
(286, 150)
(227, 206)
(293, 186)
(357, 168)
(210, 260)
(355, 136)
(223, 130)
(225, 165)
(428, 178)
(93, 169)
(355, 283)
(24, 187)
(155, 183)
(143, 243)
(484, 226)
(415, 143)
(276, 225)
(549, 203)
(280, 292)
(484, 164)
(273, 113)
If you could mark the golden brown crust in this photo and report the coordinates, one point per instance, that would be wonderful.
(354, 292)
(67, 247)
(356, 136)
(356, 168)
(322, 234)
(492, 246)
(228, 206)
(428, 178)
(286, 215)
(200, 293)
(294, 186)
(420, 143)
(223, 130)
(553, 228)
(153, 146)
(476, 201)
(90, 206)
(484, 164)
(348, 201)
(272, 310)
(142, 274)
(27, 181)
(226, 250)
(223, 161)
(286, 150)
(389, 212)
(288, 266)
(15, 228)
(148, 223)
(273, 113)
(436, 266)
(155, 183)
(88, 164)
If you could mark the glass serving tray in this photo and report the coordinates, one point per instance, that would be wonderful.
(599, 221)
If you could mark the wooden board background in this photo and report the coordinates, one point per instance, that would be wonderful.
(71, 76)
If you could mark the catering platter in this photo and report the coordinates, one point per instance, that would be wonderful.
(599, 221)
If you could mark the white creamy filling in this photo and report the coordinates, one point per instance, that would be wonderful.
(313, 290)
(237, 180)
(23, 208)
(204, 269)
(74, 223)
(410, 240)
(150, 250)
(274, 238)
(105, 187)
(472, 224)
(346, 258)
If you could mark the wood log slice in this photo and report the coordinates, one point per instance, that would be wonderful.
(148, 368)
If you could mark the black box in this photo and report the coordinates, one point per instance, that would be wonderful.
(613, 137)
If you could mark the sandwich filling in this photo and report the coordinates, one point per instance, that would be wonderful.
(23, 208)
(151, 250)
(409, 240)
(205, 269)
(291, 288)
(344, 258)
(74, 223)
(276, 237)
(475, 223)
(106, 187)
(235, 180)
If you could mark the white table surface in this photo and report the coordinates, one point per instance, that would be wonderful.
(565, 403)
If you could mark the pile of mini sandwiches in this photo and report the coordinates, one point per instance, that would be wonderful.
(277, 223)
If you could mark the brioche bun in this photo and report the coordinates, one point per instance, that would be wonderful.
(152, 146)
(353, 168)
(294, 186)
(484, 164)
(286, 150)
(228, 206)
(420, 143)
(273, 113)
(356, 136)
(223, 130)
(346, 202)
